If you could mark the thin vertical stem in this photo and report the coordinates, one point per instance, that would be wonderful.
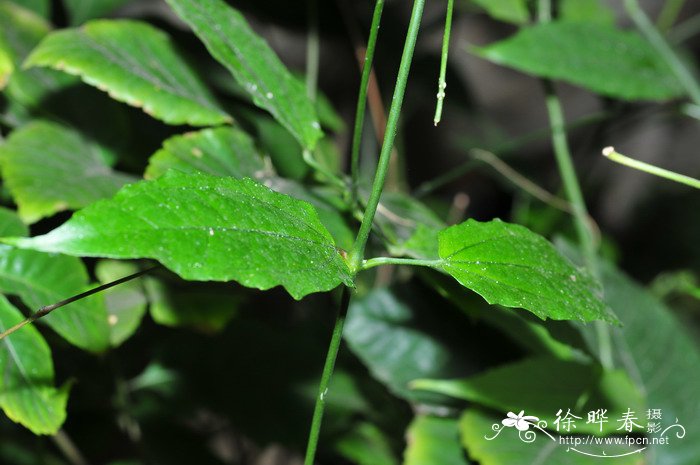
(358, 249)
(313, 51)
(328, 367)
(442, 82)
(645, 26)
(68, 448)
(362, 98)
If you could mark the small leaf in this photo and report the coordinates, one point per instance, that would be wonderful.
(49, 168)
(126, 303)
(509, 265)
(135, 63)
(599, 57)
(27, 392)
(509, 11)
(80, 11)
(10, 224)
(224, 151)
(41, 279)
(433, 440)
(254, 64)
(208, 228)
(586, 11)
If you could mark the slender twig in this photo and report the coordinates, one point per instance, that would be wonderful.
(356, 255)
(43, 311)
(362, 97)
(68, 448)
(313, 51)
(669, 14)
(379, 261)
(685, 30)
(442, 81)
(651, 169)
(645, 26)
(328, 367)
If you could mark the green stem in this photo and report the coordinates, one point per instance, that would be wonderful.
(313, 52)
(685, 77)
(578, 205)
(442, 82)
(328, 367)
(362, 98)
(358, 249)
(544, 11)
(378, 261)
(68, 448)
(669, 14)
(651, 169)
(685, 30)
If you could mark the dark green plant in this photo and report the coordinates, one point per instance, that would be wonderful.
(255, 194)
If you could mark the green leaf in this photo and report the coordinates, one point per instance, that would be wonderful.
(10, 224)
(126, 303)
(586, 10)
(366, 445)
(135, 63)
(27, 392)
(50, 168)
(253, 64)
(202, 308)
(509, 265)
(508, 448)
(541, 386)
(224, 151)
(433, 440)
(509, 11)
(80, 11)
(39, 7)
(41, 279)
(284, 150)
(398, 334)
(7, 65)
(599, 57)
(208, 228)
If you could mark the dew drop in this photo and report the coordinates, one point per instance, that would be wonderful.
(269, 95)
(211, 231)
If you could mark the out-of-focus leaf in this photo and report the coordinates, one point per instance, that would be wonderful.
(207, 228)
(42, 279)
(509, 11)
(40, 7)
(126, 303)
(7, 65)
(400, 215)
(224, 151)
(599, 57)
(200, 308)
(137, 64)
(542, 386)
(80, 11)
(433, 440)
(49, 168)
(508, 448)
(27, 392)
(10, 224)
(366, 445)
(509, 265)
(284, 151)
(253, 64)
(586, 11)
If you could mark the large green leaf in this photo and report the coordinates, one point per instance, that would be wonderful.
(27, 392)
(510, 11)
(541, 386)
(596, 56)
(208, 228)
(224, 151)
(43, 279)
(137, 64)
(80, 11)
(49, 168)
(509, 448)
(254, 64)
(509, 265)
(433, 440)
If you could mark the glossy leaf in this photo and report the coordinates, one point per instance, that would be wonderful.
(208, 228)
(541, 386)
(254, 64)
(135, 63)
(10, 224)
(509, 265)
(224, 151)
(509, 11)
(126, 303)
(27, 392)
(433, 440)
(41, 279)
(508, 448)
(69, 172)
(599, 57)
(80, 11)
